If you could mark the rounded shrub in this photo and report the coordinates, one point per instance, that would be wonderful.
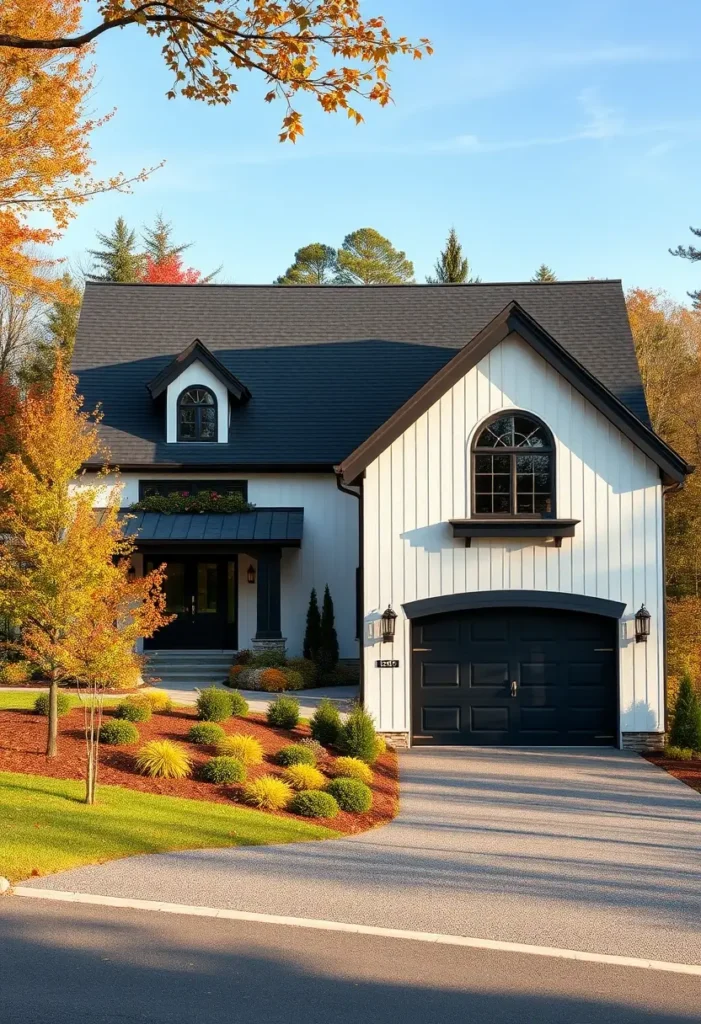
(326, 723)
(163, 759)
(238, 704)
(352, 768)
(350, 794)
(315, 747)
(268, 793)
(15, 673)
(273, 658)
(133, 710)
(295, 753)
(283, 712)
(223, 769)
(206, 733)
(358, 737)
(119, 732)
(237, 676)
(306, 668)
(303, 776)
(245, 748)
(678, 753)
(294, 679)
(213, 705)
(272, 680)
(64, 703)
(312, 803)
(158, 700)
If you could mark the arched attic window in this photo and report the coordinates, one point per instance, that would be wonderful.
(197, 415)
(513, 468)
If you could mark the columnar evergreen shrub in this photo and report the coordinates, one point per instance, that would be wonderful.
(295, 753)
(283, 712)
(118, 731)
(327, 657)
(223, 769)
(686, 726)
(358, 737)
(313, 803)
(133, 710)
(326, 723)
(213, 705)
(351, 795)
(312, 633)
(64, 702)
(206, 733)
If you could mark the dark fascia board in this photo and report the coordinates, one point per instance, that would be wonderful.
(194, 352)
(513, 319)
(551, 599)
(209, 467)
(515, 527)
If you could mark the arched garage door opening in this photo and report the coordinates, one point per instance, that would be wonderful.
(514, 676)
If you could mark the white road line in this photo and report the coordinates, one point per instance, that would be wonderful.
(360, 929)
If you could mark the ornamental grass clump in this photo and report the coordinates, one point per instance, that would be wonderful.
(119, 732)
(213, 705)
(351, 795)
(133, 710)
(268, 793)
(246, 748)
(223, 769)
(206, 734)
(313, 804)
(295, 753)
(283, 712)
(304, 776)
(64, 703)
(358, 737)
(163, 759)
(352, 768)
(326, 723)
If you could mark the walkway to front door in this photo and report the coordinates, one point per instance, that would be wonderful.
(201, 592)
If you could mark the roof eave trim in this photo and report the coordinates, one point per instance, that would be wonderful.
(198, 352)
(514, 319)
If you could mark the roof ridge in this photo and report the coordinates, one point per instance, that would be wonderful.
(347, 287)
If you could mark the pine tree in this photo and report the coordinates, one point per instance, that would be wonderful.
(544, 274)
(313, 264)
(312, 634)
(158, 242)
(119, 260)
(693, 254)
(367, 257)
(451, 266)
(686, 727)
(58, 338)
(327, 658)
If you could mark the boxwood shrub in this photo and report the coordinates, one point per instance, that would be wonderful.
(134, 710)
(283, 712)
(295, 753)
(207, 733)
(313, 803)
(214, 705)
(64, 703)
(119, 731)
(223, 769)
(350, 794)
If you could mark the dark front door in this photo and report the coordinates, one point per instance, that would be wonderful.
(514, 676)
(201, 592)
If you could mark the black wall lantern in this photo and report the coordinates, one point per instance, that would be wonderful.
(389, 622)
(642, 625)
(251, 574)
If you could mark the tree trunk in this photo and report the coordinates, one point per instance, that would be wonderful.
(52, 739)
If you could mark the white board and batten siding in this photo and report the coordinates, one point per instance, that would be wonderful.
(329, 551)
(422, 480)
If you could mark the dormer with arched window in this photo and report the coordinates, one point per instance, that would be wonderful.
(513, 467)
(197, 414)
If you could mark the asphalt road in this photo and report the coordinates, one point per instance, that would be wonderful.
(73, 964)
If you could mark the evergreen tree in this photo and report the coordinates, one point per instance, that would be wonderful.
(451, 266)
(314, 264)
(686, 727)
(367, 257)
(57, 338)
(119, 260)
(544, 274)
(162, 263)
(690, 252)
(312, 634)
(158, 242)
(327, 658)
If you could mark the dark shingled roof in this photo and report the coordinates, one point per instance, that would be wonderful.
(325, 366)
(261, 525)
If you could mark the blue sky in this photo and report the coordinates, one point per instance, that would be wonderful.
(565, 133)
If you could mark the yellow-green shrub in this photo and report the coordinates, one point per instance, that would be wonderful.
(246, 748)
(15, 673)
(163, 759)
(352, 768)
(304, 776)
(268, 793)
(158, 700)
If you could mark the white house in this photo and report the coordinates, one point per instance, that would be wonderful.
(475, 460)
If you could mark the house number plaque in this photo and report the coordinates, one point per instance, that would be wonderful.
(387, 663)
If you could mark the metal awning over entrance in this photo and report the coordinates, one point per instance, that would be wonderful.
(279, 526)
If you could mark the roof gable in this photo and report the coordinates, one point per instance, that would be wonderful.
(513, 319)
(197, 352)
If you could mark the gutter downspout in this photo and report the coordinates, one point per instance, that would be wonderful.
(360, 588)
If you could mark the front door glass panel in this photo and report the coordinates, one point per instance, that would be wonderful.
(207, 588)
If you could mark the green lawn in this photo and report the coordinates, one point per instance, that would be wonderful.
(47, 828)
(24, 699)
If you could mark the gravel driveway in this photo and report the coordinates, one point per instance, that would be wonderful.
(585, 849)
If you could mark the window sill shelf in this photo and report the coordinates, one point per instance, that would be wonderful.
(548, 529)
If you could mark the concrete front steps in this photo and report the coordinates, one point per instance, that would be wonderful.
(186, 670)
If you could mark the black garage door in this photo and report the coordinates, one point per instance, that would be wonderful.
(514, 676)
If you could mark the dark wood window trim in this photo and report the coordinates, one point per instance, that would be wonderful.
(166, 487)
(198, 410)
(512, 453)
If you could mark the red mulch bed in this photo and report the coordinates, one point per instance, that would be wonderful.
(686, 771)
(23, 740)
